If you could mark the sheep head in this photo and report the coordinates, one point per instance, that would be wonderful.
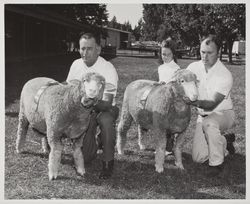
(94, 84)
(187, 84)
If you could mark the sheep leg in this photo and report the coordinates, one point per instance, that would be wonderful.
(179, 139)
(78, 156)
(140, 136)
(23, 126)
(55, 144)
(45, 145)
(122, 130)
(160, 150)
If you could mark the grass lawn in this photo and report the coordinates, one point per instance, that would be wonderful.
(26, 175)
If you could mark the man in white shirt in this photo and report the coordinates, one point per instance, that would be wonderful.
(214, 106)
(106, 112)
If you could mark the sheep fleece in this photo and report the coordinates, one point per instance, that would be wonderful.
(57, 108)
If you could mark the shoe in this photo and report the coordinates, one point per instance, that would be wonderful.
(213, 171)
(107, 169)
(230, 140)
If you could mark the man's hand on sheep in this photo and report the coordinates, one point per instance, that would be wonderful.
(106, 103)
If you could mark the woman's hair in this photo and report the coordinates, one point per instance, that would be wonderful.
(170, 44)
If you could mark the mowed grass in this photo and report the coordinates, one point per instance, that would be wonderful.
(26, 175)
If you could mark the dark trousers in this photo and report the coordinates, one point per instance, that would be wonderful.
(106, 121)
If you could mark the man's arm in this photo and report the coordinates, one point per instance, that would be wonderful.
(106, 103)
(209, 105)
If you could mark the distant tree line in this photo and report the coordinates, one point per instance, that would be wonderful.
(187, 23)
(126, 26)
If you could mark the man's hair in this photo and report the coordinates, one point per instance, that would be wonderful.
(212, 38)
(89, 36)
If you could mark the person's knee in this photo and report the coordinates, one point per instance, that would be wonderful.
(199, 158)
(106, 119)
(114, 111)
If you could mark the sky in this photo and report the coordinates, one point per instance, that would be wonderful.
(125, 12)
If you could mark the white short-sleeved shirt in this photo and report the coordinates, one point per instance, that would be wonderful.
(166, 71)
(217, 79)
(101, 66)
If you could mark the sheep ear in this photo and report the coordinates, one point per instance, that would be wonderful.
(74, 82)
(176, 90)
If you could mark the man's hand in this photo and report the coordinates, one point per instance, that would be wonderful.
(108, 98)
(187, 100)
(105, 104)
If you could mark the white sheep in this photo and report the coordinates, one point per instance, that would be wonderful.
(162, 111)
(56, 110)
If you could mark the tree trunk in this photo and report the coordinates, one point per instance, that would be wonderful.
(230, 40)
(229, 47)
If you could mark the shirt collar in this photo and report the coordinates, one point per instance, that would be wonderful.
(171, 63)
(212, 68)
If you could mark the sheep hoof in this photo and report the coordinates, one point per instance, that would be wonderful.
(81, 172)
(52, 177)
(45, 151)
(159, 169)
(120, 152)
(99, 151)
(179, 166)
(19, 151)
(142, 147)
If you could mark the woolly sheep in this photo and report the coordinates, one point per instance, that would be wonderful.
(62, 109)
(164, 113)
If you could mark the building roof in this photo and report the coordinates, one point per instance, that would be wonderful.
(31, 10)
(42, 14)
(118, 30)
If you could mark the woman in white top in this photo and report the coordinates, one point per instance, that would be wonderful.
(166, 72)
(169, 66)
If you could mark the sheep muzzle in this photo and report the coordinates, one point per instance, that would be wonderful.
(88, 102)
(92, 88)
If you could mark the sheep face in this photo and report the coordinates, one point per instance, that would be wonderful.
(188, 82)
(94, 86)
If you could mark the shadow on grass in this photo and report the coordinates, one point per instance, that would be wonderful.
(135, 172)
(189, 184)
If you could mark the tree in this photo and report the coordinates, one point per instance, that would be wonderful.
(89, 14)
(93, 16)
(189, 22)
(137, 31)
(229, 23)
(126, 26)
(153, 16)
(114, 24)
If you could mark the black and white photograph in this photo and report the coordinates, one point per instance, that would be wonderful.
(131, 101)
